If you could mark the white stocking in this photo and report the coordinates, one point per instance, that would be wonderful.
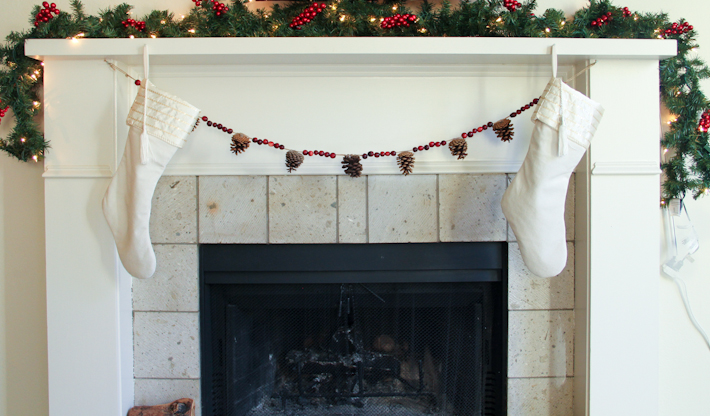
(149, 148)
(534, 203)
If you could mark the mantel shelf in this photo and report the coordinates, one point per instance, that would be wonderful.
(343, 50)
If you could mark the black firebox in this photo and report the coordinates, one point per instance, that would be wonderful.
(356, 329)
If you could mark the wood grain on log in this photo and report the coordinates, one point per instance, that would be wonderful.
(180, 407)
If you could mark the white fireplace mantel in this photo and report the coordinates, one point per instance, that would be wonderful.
(617, 238)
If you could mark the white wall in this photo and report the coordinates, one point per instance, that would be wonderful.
(684, 360)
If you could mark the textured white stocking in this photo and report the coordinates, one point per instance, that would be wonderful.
(149, 148)
(565, 122)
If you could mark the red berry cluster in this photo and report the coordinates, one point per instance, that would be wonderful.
(490, 123)
(198, 3)
(511, 5)
(219, 8)
(316, 153)
(45, 14)
(604, 20)
(626, 11)
(3, 111)
(704, 124)
(218, 126)
(306, 16)
(398, 20)
(139, 25)
(678, 29)
(429, 146)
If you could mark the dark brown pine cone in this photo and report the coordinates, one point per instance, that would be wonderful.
(240, 143)
(504, 129)
(293, 160)
(458, 148)
(352, 165)
(405, 160)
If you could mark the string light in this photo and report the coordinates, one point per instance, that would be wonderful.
(372, 19)
(132, 37)
(75, 40)
(162, 22)
(342, 17)
(394, 8)
(35, 104)
(35, 158)
(334, 7)
(562, 23)
(153, 36)
(80, 35)
(22, 139)
(422, 30)
(191, 30)
(500, 19)
(547, 29)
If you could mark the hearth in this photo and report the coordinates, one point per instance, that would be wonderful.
(403, 329)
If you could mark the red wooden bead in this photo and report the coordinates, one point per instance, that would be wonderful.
(364, 155)
(281, 147)
(377, 155)
(327, 154)
(437, 144)
(219, 126)
(271, 144)
(443, 143)
(209, 123)
(276, 145)
(305, 152)
(321, 153)
(426, 147)
(484, 127)
(370, 153)
(463, 135)
(224, 129)
(480, 129)
(518, 112)
(310, 153)
(230, 131)
(414, 149)
(421, 148)
(393, 153)
(387, 153)
(431, 144)
(138, 82)
(204, 118)
(470, 134)
(536, 100)
(259, 141)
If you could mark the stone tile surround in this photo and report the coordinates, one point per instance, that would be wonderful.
(338, 209)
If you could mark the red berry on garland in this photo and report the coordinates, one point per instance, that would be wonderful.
(398, 20)
(138, 82)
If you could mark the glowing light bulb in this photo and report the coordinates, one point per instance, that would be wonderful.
(35, 158)
(132, 37)
(153, 36)
(191, 30)
(422, 30)
(162, 22)
(500, 19)
(80, 35)
(35, 104)
(562, 23)
(547, 29)
(75, 40)
(372, 19)
(665, 150)
(22, 140)
(342, 17)
(394, 8)
(334, 7)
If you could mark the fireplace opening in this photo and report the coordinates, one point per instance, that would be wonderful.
(402, 329)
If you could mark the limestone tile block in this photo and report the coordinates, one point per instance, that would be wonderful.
(150, 392)
(540, 343)
(469, 207)
(303, 209)
(174, 286)
(569, 210)
(232, 209)
(166, 345)
(352, 209)
(173, 217)
(541, 396)
(528, 291)
(402, 209)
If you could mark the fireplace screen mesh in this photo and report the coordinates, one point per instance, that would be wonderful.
(417, 348)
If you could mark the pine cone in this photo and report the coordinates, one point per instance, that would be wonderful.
(352, 165)
(405, 160)
(458, 148)
(240, 143)
(293, 160)
(504, 129)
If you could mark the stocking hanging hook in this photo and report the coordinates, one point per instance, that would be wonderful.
(554, 60)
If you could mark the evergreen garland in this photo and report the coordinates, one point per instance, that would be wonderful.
(687, 166)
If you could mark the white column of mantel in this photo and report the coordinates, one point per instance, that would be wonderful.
(88, 293)
(623, 303)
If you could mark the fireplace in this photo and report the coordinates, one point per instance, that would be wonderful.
(404, 329)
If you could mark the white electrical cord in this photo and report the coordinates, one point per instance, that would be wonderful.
(682, 241)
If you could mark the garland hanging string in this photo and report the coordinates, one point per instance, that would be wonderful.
(686, 162)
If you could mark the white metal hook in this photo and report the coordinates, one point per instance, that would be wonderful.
(554, 60)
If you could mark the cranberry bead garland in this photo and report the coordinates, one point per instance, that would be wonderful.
(240, 143)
